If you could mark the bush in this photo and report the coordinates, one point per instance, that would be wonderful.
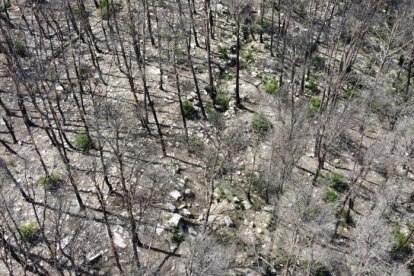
(315, 104)
(312, 86)
(330, 195)
(6, 5)
(318, 62)
(222, 100)
(27, 231)
(177, 237)
(105, 8)
(220, 194)
(401, 246)
(337, 182)
(256, 182)
(223, 52)
(50, 182)
(248, 55)
(270, 86)
(19, 47)
(260, 123)
(208, 108)
(188, 109)
(82, 142)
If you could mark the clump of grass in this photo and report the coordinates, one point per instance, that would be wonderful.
(337, 182)
(318, 62)
(222, 100)
(315, 104)
(105, 8)
(312, 86)
(188, 109)
(220, 194)
(223, 52)
(330, 195)
(270, 86)
(177, 237)
(27, 231)
(49, 181)
(19, 46)
(255, 181)
(82, 141)
(248, 55)
(401, 246)
(260, 123)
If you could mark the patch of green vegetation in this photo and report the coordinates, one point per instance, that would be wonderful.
(49, 182)
(248, 55)
(318, 62)
(220, 194)
(255, 181)
(175, 168)
(260, 123)
(227, 76)
(75, 10)
(82, 141)
(222, 100)
(19, 46)
(27, 231)
(330, 195)
(337, 182)
(208, 108)
(105, 8)
(177, 237)
(223, 52)
(401, 246)
(6, 5)
(315, 104)
(312, 86)
(270, 86)
(188, 109)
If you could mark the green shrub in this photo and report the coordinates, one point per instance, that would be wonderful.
(220, 194)
(227, 76)
(330, 195)
(270, 86)
(177, 237)
(222, 100)
(255, 181)
(337, 182)
(105, 8)
(312, 86)
(82, 142)
(49, 182)
(223, 52)
(6, 5)
(401, 246)
(188, 109)
(76, 10)
(208, 108)
(318, 62)
(315, 104)
(260, 123)
(27, 231)
(248, 55)
(19, 46)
